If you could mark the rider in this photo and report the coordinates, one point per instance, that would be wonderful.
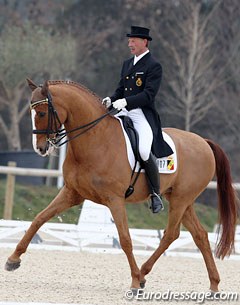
(140, 81)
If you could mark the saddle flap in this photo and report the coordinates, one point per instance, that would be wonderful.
(132, 135)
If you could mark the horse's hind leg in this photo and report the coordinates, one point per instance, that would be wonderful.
(65, 199)
(191, 222)
(171, 233)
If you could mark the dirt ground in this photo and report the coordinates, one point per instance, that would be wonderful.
(103, 279)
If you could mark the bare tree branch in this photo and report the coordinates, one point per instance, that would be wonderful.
(193, 75)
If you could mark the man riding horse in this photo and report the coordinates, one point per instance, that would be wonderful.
(135, 97)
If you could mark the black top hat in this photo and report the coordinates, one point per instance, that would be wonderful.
(140, 32)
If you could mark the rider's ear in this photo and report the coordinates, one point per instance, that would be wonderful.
(44, 89)
(31, 84)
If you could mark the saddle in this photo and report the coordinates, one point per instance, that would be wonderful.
(134, 140)
(166, 165)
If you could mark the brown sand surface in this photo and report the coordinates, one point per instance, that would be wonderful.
(87, 278)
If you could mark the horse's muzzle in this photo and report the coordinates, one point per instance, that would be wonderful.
(44, 149)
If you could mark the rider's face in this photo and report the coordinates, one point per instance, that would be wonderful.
(137, 45)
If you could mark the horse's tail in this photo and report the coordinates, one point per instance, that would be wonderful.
(227, 202)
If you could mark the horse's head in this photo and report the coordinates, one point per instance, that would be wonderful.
(45, 119)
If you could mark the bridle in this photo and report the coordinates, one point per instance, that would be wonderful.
(54, 133)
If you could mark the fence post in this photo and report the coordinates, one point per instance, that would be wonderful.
(9, 195)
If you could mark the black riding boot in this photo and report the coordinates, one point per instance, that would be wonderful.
(153, 180)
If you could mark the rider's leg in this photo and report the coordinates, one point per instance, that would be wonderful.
(153, 180)
(145, 142)
(144, 131)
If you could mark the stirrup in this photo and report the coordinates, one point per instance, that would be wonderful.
(156, 203)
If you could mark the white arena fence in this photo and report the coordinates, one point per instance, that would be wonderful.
(96, 232)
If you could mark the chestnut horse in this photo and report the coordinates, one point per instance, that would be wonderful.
(97, 168)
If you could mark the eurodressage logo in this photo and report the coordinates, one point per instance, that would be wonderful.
(199, 297)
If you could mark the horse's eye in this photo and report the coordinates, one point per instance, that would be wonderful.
(41, 114)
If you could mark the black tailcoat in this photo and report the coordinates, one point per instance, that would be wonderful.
(139, 84)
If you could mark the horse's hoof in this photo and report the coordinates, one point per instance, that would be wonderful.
(11, 266)
(142, 284)
(135, 291)
(215, 294)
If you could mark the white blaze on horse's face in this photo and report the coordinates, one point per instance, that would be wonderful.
(42, 151)
(34, 136)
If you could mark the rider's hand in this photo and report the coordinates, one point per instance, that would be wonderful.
(107, 102)
(120, 104)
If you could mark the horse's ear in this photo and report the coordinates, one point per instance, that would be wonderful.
(44, 89)
(31, 84)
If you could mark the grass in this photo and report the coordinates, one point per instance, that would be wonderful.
(141, 217)
(30, 200)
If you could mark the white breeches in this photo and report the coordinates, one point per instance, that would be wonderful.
(143, 128)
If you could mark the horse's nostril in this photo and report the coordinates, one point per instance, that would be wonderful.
(41, 149)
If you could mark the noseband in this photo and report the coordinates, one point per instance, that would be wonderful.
(55, 134)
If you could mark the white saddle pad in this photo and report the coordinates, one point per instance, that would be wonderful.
(166, 165)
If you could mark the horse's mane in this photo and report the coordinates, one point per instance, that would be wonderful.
(74, 84)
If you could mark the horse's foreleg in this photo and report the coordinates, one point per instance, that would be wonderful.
(61, 202)
(119, 214)
(171, 233)
(200, 236)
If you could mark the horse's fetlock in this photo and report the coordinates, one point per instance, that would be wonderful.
(136, 275)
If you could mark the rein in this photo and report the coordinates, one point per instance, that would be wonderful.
(54, 121)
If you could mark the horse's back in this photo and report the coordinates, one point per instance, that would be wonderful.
(196, 162)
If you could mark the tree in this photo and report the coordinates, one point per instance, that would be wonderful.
(29, 51)
(192, 71)
(229, 40)
(95, 26)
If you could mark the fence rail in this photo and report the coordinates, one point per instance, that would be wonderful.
(36, 172)
(19, 171)
(213, 185)
(97, 238)
(11, 171)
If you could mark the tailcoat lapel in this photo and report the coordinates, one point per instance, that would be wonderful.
(134, 68)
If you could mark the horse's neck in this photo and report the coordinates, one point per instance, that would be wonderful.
(83, 108)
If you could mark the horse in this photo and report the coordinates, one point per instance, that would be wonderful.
(96, 167)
